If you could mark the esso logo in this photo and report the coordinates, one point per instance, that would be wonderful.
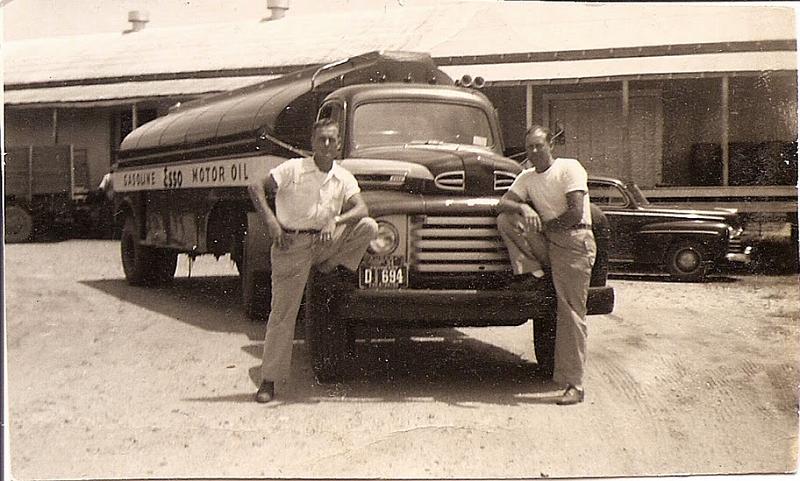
(173, 179)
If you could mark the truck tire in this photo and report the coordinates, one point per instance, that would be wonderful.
(686, 262)
(326, 336)
(544, 340)
(18, 224)
(256, 286)
(144, 265)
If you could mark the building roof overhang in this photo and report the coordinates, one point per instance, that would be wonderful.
(505, 42)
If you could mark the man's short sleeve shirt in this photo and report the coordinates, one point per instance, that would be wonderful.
(308, 198)
(547, 190)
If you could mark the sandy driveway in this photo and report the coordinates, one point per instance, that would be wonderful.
(106, 380)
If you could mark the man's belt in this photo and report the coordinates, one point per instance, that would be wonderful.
(301, 231)
(573, 227)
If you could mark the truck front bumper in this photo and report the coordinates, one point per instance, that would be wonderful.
(457, 307)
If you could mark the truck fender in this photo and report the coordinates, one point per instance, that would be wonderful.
(602, 236)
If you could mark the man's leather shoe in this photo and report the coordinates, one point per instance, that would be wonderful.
(572, 395)
(266, 392)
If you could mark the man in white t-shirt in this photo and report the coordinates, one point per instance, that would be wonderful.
(320, 221)
(546, 224)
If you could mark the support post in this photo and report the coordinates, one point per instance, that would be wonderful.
(627, 161)
(55, 126)
(528, 106)
(724, 128)
(134, 116)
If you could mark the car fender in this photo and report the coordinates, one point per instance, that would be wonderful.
(654, 240)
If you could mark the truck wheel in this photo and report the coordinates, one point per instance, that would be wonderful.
(256, 287)
(18, 224)
(326, 336)
(685, 262)
(143, 265)
(544, 341)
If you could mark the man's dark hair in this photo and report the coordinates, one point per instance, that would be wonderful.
(322, 123)
(533, 128)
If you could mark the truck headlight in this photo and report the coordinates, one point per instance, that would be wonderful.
(387, 240)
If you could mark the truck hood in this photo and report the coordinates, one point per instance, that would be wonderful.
(452, 169)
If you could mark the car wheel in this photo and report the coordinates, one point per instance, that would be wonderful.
(18, 224)
(686, 262)
(326, 336)
(144, 265)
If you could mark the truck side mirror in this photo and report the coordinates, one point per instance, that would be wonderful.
(559, 134)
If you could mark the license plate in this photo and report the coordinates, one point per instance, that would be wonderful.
(382, 277)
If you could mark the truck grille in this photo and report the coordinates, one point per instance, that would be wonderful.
(450, 180)
(457, 245)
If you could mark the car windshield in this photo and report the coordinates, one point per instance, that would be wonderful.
(637, 194)
(398, 123)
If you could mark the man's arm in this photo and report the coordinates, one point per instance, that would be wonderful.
(573, 214)
(511, 203)
(258, 194)
(353, 210)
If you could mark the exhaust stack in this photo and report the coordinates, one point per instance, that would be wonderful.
(277, 9)
(138, 19)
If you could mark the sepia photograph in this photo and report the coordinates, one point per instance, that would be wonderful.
(399, 239)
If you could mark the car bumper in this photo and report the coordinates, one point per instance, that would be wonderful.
(742, 257)
(457, 307)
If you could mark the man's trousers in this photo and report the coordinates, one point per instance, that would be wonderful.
(570, 255)
(290, 270)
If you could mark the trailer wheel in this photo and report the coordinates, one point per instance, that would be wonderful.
(686, 262)
(326, 336)
(18, 224)
(256, 286)
(143, 265)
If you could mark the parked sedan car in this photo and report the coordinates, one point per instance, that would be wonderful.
(687, 243)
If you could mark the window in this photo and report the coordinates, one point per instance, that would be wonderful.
(607, 195)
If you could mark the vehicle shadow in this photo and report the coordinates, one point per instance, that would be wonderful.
(438, 365)
(444, 365)
(212, 303)
(710, 278)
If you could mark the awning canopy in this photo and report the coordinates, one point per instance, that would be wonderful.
(122, 93)
(668, 66)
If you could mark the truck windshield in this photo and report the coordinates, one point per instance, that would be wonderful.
(398, 123)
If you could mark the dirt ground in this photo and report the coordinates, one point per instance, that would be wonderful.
(107, 380)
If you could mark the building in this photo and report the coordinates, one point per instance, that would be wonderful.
(693, 102)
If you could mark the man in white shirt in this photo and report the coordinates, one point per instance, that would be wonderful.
(546, 222)
(320, 221)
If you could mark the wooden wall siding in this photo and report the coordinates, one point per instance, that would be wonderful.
(594, 132)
